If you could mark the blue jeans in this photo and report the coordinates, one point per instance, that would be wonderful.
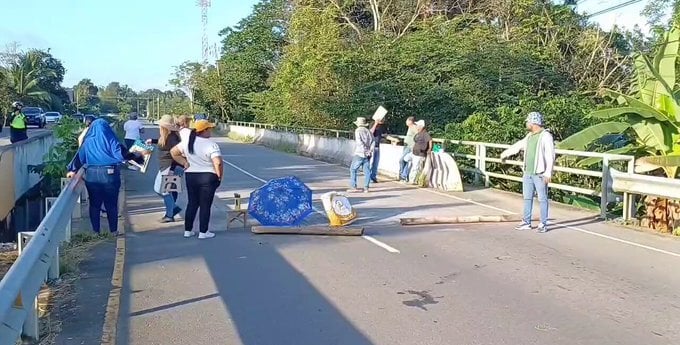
(103, 186)
(404, 166)
(534, 184)
(357, 163)
(374, 164)
(170, 200)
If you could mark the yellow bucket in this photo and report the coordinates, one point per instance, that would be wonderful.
(338, 209)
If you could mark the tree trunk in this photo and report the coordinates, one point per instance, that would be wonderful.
(662, 215)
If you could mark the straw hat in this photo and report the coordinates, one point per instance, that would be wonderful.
(168, 122)
(361, 122)
(420, 123)
(202, 125)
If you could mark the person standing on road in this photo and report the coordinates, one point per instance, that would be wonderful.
(405, 160)
(101, 154)
(168, 139)
(422, 146)
(18, 128)
(539, 160)
(202, 160)
(378, 130)
(133, 130)
(363, 150)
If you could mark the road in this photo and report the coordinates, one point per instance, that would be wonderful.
(439, 285)
(4, 135)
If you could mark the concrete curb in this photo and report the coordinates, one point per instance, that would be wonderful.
(109, 331)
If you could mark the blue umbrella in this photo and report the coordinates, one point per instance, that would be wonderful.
(284, 201)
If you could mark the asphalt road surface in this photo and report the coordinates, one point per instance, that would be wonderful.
(438, 285)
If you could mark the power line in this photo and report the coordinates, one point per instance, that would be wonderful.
(613, 8)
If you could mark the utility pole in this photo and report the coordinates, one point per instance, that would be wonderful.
(137, 107)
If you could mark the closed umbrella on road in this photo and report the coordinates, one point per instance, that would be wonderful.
(284, 201)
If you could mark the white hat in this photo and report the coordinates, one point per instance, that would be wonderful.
(361, 122)
(420, 123)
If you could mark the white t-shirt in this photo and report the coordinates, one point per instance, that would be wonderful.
(184, 134)
(132, 128)
(204, 151)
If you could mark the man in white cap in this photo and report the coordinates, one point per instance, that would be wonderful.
(539, 159)
(363, 150)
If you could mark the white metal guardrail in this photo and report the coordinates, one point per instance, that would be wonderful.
(631, 184)
(38, 260)
(481, 158)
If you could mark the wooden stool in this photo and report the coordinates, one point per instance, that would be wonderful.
(237, 213)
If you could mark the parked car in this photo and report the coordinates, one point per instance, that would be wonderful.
(34, 116)
(52, 117)
(78, 117)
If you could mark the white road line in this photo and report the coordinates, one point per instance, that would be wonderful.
(366, 237)
(581, 230)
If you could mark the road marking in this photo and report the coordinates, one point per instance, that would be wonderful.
(366, 237)
(581, 230)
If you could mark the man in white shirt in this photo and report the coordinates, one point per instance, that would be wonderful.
(133, 130)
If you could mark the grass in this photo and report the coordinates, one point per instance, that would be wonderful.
(240, 138)
(60, 293)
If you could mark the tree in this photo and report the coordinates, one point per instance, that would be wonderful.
(86, 96)
(24, 77)
(185, 79)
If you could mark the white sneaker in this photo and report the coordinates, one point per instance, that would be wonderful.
(523, 226)
(188, 234)
(204, 235)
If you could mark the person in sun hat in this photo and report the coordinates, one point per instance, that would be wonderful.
(422, 146)
(202, 161)
(363, 150)
(539, 160)
(168, 138)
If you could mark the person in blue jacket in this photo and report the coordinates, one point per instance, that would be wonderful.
(101, 155)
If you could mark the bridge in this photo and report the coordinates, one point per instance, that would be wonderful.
(584, 282)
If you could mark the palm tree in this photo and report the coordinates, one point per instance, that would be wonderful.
(23, 76)
(650, 117)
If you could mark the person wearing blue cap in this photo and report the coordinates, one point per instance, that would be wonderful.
(539, 159)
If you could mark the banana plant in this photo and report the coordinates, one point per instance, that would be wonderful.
(650, 117)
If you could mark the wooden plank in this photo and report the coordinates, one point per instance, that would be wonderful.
(309, 230)
(461, 219)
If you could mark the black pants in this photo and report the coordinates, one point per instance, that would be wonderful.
(201, 189)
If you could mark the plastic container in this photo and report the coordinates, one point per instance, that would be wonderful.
(338, 209)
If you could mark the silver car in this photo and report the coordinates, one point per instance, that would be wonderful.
(52, 117)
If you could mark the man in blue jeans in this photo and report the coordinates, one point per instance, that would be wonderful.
(405, 161)
(539, 160)
(363, 149)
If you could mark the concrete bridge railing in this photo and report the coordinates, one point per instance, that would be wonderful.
(15, 175)
(337, 145)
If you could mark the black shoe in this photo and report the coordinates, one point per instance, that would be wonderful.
(374, 180)
(167, 220)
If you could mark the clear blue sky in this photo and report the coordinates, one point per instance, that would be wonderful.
(135, 42)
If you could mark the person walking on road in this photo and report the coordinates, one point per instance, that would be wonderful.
(363, 150)
(133, 130)
(202, 160)
(378, 130)
(405, 160)
(16, 121)
(101, 154)
(422, 146)
(168, 139)
(539, 159)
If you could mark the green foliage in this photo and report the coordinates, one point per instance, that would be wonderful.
(57, 158)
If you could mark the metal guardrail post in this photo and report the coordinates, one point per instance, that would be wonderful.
(53, 272)
(31, 325)
(605, 187)
(478, 164)
(76, 210)
(482, 165)
(628, 198)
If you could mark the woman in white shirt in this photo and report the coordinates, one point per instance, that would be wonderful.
(202, 161)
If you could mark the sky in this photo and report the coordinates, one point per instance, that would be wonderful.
(137, 42)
